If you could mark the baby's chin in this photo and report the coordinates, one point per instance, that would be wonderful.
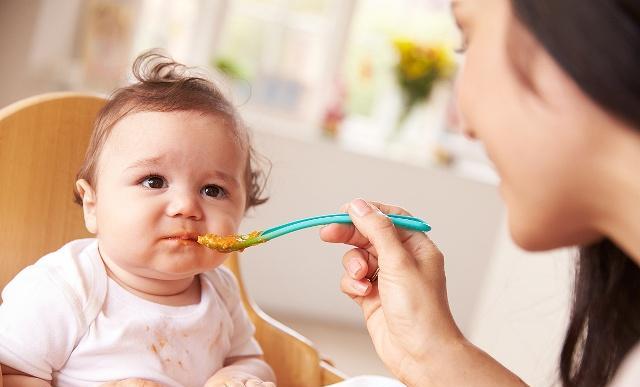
(184, 268)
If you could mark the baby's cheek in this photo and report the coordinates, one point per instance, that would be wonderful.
(224, 225)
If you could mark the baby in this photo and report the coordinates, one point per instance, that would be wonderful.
(143, 302)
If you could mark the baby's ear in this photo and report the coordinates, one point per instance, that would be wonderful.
(88, 195)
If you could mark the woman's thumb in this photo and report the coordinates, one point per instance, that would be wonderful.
(378, 228)
(397, 249)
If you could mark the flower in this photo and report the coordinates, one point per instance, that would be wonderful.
(418, 68)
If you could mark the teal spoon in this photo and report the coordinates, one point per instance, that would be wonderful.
(230, 243)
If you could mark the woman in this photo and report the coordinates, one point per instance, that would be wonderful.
(551, 88)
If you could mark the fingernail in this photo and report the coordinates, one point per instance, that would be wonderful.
(360, 287)
(354, 267)
(360, 207)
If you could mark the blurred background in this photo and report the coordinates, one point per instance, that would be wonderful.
(346, 98)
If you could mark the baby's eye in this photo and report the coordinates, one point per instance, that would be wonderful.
(213, 191)
(154, 182)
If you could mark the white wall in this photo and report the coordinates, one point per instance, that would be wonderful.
(17, 24)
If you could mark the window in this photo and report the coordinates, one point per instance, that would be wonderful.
(301, 68)
(288, 51)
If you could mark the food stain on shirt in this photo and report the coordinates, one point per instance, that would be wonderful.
(159, 341)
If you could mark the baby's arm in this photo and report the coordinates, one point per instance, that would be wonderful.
(243, 369)
(13, 378)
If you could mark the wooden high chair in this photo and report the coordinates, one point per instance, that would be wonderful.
(42, 143)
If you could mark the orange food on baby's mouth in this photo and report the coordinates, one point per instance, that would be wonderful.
(228, 243)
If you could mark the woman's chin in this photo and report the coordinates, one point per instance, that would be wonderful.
(531, 239)
(549, 238)
(527, 243)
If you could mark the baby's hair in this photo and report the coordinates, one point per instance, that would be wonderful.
(164, 85)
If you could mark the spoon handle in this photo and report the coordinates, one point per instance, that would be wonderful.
(408, 222)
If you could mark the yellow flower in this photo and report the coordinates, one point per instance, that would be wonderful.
(419, 67)
(415, 69)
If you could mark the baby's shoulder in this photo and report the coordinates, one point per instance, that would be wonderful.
(48, 306)
(76, 264)
(73, 274)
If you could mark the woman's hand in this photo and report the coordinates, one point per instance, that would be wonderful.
(406, 309)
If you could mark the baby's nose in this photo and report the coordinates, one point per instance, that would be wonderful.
(186, 205)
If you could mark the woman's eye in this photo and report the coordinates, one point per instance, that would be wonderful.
(462, 48)
(463, 44)
(213, 191)
(154, 182)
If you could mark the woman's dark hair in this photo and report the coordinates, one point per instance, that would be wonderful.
(596, 43)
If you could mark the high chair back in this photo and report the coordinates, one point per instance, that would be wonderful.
(42, 143)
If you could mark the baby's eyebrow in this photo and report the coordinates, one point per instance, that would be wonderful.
(145, 163)
(226, 178)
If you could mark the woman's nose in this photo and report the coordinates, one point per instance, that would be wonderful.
(186, 205)
(456, 121)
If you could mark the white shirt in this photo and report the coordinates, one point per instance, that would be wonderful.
(63, 319)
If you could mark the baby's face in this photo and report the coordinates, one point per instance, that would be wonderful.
(162, 179)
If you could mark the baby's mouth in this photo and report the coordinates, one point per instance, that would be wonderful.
(186, 237)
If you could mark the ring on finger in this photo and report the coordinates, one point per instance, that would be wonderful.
(374, 277)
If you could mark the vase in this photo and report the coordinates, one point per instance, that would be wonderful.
(416, 136)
